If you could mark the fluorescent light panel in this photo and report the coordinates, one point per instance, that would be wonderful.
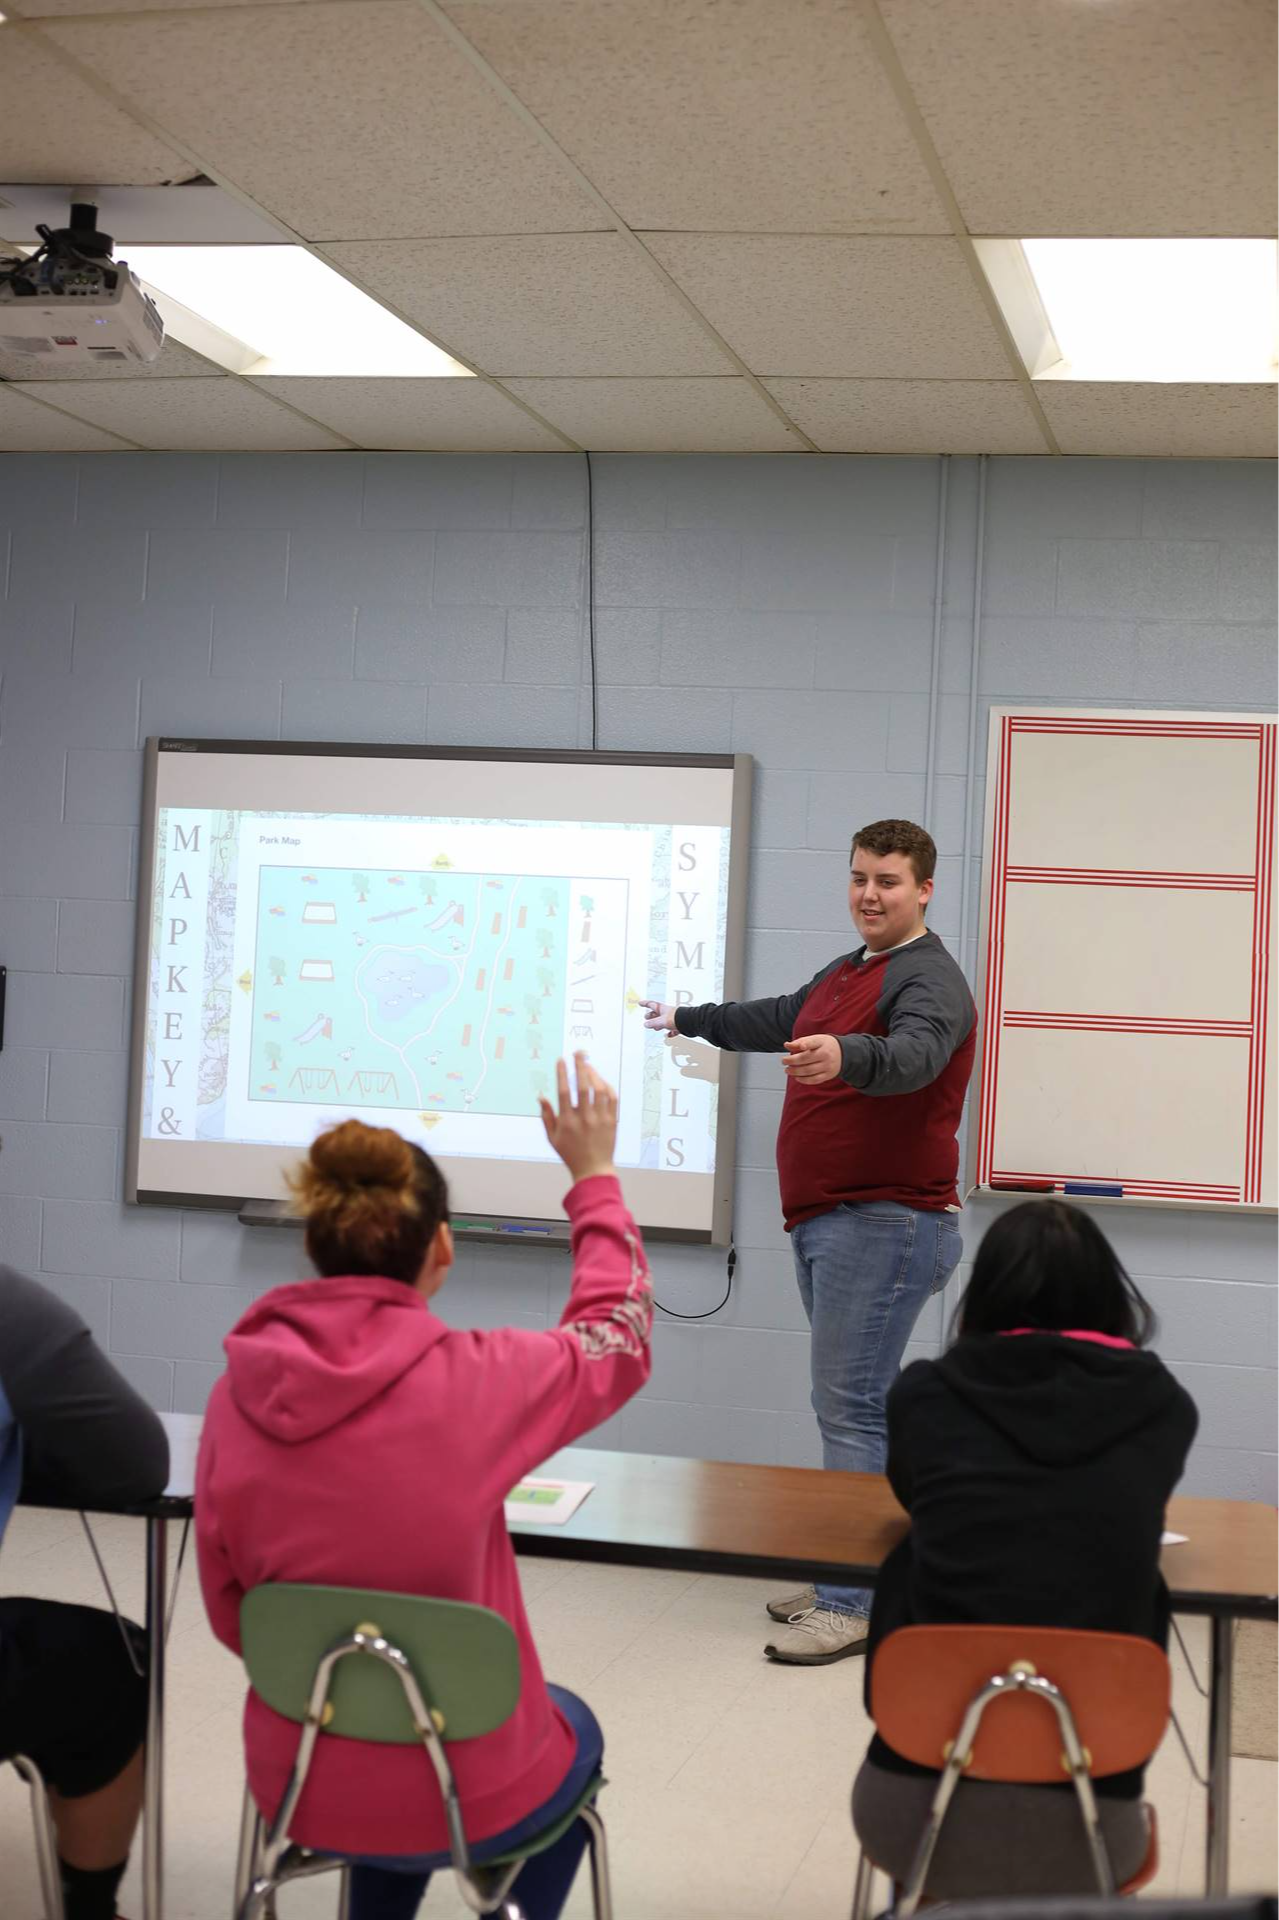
(281, 311)
(1139, 310)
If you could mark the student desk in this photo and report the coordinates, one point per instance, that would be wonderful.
(712, 1517)
(709, 1516)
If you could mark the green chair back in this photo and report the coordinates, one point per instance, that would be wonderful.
(466, 1660)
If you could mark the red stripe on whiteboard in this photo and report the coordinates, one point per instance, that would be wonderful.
(992, 936)
(995, 964)
(1260, 988)
(988, 1089)
(1130, 1023)
(1003, 917)
(1139, 873)
(1108, 877)
(1142, 730)
(1262, 955)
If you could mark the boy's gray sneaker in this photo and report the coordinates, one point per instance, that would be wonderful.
(789, 1604)
(815, 1638)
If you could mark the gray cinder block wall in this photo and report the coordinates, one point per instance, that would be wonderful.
(779, 606)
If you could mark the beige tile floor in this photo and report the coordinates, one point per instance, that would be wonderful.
(730, 1777)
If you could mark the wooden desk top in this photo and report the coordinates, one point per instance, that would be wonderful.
(1230, 1552)
(712, 1516)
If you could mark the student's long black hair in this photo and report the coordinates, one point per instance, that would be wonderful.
(1045, 1264)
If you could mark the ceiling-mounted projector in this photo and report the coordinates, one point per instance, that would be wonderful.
(71, 304)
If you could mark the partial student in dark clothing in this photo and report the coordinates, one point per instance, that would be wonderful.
(71, 1698)
(1035, 1459)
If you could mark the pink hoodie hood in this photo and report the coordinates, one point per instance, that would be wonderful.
(308, 1356)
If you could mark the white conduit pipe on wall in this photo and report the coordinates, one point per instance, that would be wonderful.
(974, 685)
(934, 678)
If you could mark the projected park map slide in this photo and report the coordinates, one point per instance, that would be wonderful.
(426, 971)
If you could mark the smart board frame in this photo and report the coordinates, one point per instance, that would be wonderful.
(717, 1230)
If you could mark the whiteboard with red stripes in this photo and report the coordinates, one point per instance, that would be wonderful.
(1127, 990)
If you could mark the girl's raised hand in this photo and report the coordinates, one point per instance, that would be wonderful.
(584, 1130)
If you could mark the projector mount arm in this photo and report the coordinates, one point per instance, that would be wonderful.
(74, 258)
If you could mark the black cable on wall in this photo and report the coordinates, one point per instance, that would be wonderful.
(590, 603)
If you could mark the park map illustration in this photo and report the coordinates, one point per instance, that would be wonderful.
(439, 990)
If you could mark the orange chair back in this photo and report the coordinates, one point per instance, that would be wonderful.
(1117, 1687)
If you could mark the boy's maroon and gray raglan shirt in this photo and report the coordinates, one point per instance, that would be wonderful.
(885, 1128)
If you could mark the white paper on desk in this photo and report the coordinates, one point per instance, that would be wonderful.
(1173, 1539)
(545, 1503)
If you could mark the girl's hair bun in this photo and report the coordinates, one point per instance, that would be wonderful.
(355, 1175)
(354, 1155)
(372, 1202)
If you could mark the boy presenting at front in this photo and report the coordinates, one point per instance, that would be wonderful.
(877, 1051)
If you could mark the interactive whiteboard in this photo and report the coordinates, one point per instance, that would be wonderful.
(414, 937)
(1128, 1006)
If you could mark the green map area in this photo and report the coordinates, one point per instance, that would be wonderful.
(440, 991)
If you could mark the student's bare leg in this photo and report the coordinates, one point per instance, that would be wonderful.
(95, 1830)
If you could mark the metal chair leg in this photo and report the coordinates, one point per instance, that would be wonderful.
(248, 1852)
(45, 1838)
(344, 1894)
(862, 1886)
(601, 1884)
(258, 1900)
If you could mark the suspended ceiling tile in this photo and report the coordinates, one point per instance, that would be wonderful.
(1150, 117)
(737, 116)
(354, 120)
(442, 416)
(660, 416)
(869, 307)
(576, 303)
(27, 427)
(54, 127)
(211, 415)
(911, 416)
(1222, 422)
(175, 363)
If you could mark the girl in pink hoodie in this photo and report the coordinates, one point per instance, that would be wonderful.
(356, 1440)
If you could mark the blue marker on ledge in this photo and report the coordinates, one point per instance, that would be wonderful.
(1102, 1190)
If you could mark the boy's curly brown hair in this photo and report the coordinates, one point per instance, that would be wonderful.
(899, 836)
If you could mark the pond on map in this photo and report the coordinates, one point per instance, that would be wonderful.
(401, 984)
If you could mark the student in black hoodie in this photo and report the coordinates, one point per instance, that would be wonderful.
(1035, 1460)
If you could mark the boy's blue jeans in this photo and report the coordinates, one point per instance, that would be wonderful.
(390, 1887)
(865, 1274)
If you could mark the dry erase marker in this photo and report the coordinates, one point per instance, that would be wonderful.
(1098, 1188)
(1021, 1186)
